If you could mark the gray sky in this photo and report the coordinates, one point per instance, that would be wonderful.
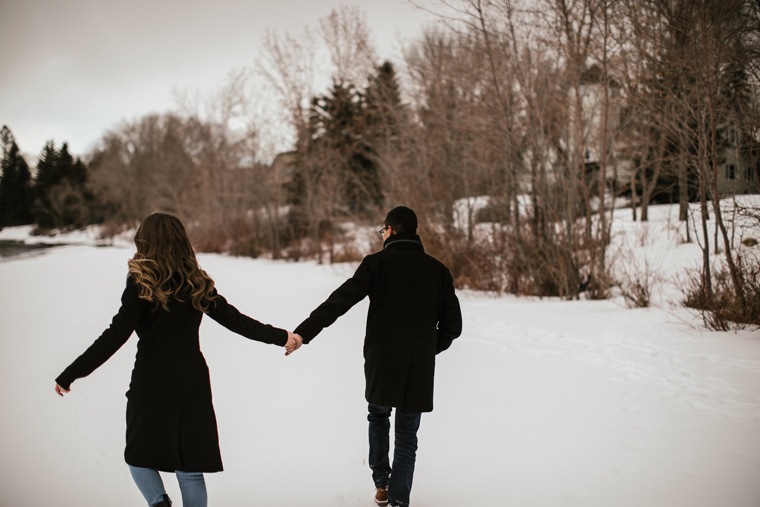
(73, 69)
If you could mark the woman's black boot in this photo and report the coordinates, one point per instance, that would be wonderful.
(166, 502)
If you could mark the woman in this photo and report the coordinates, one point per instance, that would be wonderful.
(171, 424)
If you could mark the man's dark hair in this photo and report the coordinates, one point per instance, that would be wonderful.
(402, 220)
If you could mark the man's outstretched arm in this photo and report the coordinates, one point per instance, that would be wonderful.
(340, 301)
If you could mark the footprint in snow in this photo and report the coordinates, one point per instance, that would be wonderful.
(637, 446)
(626, 469)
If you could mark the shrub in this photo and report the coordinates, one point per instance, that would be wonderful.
(725, 307)
(473, 266)
(638, 274)
(522, 264)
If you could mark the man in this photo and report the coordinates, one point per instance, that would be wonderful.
(413, 315)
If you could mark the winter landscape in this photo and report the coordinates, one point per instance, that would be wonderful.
(539, 403)
(588, 170)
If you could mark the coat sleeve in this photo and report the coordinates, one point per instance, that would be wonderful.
(343, 299)
(231, 318)
(111, 340)
(450, 319)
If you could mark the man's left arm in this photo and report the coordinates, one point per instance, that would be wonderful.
(450, 319)
(340, 301)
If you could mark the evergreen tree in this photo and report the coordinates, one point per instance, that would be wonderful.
(347, 133)
(15, 189)
(46, 179)
(62, 198)
(385, 112)
(65, 165)
(339, 137)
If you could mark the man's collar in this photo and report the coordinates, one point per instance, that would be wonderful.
(404, 242)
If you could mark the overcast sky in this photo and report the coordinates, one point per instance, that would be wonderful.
(73, 69)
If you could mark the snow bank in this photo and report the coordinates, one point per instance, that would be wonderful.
(539, 403)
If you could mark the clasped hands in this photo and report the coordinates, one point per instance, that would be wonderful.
(294, 343)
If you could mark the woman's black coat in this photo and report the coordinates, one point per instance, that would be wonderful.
(413, 315)
(170, 417)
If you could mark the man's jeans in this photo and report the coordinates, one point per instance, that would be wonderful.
(400, 481)
(191, 484)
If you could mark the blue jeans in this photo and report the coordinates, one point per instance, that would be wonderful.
(191, 484)
(399, 482)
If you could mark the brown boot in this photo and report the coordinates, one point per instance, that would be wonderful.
(381, 496)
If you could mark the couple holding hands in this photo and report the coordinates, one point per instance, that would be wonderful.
(413, 315)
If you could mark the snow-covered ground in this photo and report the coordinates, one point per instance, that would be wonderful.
(539, 403)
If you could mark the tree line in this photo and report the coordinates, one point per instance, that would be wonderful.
(514, 128)
(552, 110)
(57, 197)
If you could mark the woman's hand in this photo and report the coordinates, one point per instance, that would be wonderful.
(60, 390)
(294, 343)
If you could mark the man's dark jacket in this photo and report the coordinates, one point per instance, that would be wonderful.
(413, 315)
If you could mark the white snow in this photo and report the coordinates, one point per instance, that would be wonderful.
(90, 235)
(539, 403)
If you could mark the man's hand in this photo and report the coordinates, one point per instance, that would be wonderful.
(294, 343)
(60, 390)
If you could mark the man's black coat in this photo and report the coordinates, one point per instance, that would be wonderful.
(413, 315)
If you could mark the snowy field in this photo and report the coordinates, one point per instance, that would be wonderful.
(539, 403)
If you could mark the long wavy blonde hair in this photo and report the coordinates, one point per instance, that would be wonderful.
(165, 265)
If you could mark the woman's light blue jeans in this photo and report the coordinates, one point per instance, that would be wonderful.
(191, 484)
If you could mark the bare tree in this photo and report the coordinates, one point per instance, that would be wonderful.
(288, 64)
(201, 163)
(693, 68)
(348, 38)
(328, 182)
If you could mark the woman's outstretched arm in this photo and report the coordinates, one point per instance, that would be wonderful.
(121, 328)
(237, 322)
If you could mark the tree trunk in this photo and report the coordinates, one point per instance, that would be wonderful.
(735, 277)
(683, 193)
(706, 275)
(634, 196)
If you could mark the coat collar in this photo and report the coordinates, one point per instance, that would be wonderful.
(404, 242)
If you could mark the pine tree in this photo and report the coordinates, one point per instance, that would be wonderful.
(385, 112)
(15, 189)
(347, 131)
(340, 122)
(65, 165)
(47, 177)
(61, 195)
